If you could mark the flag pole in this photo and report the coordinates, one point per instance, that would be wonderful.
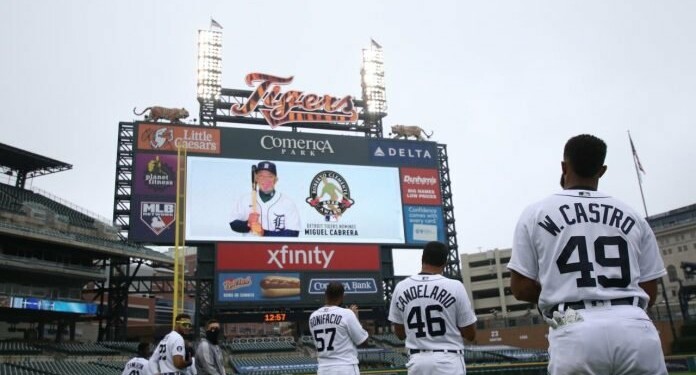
(640, 180)
(639, 168)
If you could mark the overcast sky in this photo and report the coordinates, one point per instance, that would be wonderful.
(502, 83)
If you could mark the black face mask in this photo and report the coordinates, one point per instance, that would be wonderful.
(212, 336)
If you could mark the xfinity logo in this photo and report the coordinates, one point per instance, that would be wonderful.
(284, 256)
(291, 146)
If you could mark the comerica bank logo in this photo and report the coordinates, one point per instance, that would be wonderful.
(292, 146)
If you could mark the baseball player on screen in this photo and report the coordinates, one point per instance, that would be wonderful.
(337, 332)
(265, 211)
(434, 315)
(592, 264)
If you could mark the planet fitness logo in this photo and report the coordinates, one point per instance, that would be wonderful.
(329, 194)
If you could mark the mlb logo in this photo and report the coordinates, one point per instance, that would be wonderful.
(158, 216)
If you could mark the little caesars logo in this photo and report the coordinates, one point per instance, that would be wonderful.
(157, 216)
(329, 195)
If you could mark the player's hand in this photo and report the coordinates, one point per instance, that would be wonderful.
(188, 354)
(253, 218)
(354, 309)
(257, 229)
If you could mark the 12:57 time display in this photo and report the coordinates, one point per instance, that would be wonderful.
(274, 317)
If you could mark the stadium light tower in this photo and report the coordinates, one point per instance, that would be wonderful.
(209, 71)
(372, 77)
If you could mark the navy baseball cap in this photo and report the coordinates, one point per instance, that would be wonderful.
(266, 166)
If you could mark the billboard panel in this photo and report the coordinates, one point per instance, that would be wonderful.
(329, 188)
(155, 174)
(297, 257)
(273, 274)
(287, 289)
(168, 137)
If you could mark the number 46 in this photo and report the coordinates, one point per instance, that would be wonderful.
(585, 267)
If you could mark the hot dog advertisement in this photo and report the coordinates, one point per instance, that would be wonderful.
(257, 288)
(240, 287)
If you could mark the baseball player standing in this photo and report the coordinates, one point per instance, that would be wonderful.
(172, 356)
(337, 332)
(267, 213)
(138, 365)
(592, 264)
(433, 314)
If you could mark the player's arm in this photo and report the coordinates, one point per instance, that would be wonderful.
(650, 287)
(524, 288)
(240, 226)
(468, 332)
(180, 362)
(282, 233)
(181, 356)
(399, 331)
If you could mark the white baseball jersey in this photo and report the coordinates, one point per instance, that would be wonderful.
(336, 331)
(162, 360)
(137, 366)
(431, 308)
(585, 245)
(278, 213)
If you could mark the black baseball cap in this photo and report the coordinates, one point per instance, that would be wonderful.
(266, 166)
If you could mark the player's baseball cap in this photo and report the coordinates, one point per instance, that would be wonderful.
(266, 166)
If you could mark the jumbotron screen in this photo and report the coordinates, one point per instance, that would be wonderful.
(329, 188)
(323, 205)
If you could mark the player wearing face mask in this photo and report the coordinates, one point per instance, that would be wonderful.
(209, 359)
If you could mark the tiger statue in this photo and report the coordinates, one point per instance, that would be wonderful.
(157, 112)
(406, 131)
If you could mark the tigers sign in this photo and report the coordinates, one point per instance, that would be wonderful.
(279, 108)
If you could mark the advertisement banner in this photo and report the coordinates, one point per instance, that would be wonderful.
(168, 137)
(310, 202)
(360, 288)
(292, 146)
(155, 174)
(292, 289)
(152, 219)
(297, 257)
(258, 287)
(424, 224)
(404, 153)
(420, 186)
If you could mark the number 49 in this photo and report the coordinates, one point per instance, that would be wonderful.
(585, 267)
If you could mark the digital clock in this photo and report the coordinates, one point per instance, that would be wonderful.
(274, 317)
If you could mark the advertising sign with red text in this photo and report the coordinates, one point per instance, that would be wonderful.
(297, 257)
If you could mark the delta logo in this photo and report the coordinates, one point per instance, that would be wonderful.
(406, 153)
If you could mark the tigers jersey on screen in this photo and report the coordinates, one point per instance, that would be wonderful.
(137, 366)
(585, 245)
(278, 213)
(336, 331)
(162, 360)
(432, 308)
